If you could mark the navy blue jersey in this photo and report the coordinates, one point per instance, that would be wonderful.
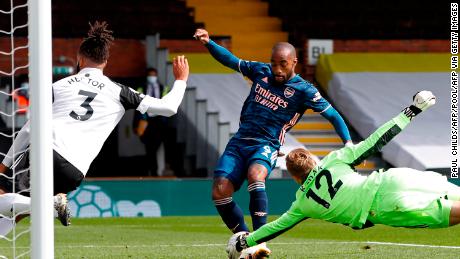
(272, 109)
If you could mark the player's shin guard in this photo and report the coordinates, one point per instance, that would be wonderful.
(231, 214)
(258, 204)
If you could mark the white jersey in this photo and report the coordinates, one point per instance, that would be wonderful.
(87, 107)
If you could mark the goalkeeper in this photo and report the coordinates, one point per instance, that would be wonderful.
(331, 189)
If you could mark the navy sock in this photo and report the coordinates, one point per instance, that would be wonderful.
(231, 214)
(258, 204)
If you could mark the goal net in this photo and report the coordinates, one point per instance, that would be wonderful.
(26, 95)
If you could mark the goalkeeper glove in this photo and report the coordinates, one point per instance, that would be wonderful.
(259, 251)
(422, 101)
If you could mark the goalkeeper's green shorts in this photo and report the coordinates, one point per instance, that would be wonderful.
(411, 198)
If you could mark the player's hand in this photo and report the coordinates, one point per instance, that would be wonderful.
(259, 251)
(349, 143)
(201, 35)
(180, 68)
(424, 100)
(236, 244)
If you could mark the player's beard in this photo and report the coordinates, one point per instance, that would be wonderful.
(281, 81)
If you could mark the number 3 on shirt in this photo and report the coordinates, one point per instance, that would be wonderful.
(89, 110)
(332, 189)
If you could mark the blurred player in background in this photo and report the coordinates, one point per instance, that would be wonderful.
(86, 108)
(332, 190)
(277, 100)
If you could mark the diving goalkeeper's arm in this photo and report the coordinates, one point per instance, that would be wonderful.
(354, 155)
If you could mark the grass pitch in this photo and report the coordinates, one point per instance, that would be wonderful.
(205, 237)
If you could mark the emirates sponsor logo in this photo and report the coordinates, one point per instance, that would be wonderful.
(269, 99)
(289, 92)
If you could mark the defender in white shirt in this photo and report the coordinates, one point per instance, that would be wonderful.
(86, 108)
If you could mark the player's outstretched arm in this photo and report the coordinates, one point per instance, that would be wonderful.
(354, 155)
(168, 105)
(19, 145)
(339, 124)
(220, 53)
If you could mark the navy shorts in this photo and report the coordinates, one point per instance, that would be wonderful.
(242, 153)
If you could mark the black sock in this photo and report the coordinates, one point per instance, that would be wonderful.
(231, 214)
(258, 204)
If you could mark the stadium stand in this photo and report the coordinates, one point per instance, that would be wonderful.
(128, 19)
(360, 20)
(253, 32)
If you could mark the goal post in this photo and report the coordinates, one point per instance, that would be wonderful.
(41, 152)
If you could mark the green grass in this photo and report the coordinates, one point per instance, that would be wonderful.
(205, 237)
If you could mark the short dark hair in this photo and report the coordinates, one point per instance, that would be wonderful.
(151, 69)
(96, 46)
(284, 45)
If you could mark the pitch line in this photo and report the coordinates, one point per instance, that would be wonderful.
(366, 243)
(270, 244)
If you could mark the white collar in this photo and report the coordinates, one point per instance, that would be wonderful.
(92, 70)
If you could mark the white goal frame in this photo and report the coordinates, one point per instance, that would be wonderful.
(41, 154)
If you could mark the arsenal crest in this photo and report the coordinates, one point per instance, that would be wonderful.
(289, 92)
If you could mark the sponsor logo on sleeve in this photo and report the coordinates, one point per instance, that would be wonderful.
(317, 97)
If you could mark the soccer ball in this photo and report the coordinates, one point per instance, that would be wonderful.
(90, 201)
